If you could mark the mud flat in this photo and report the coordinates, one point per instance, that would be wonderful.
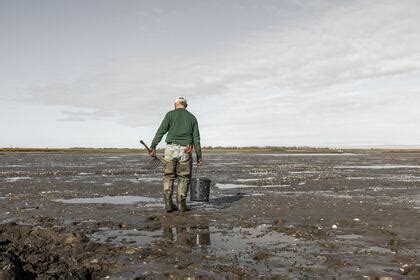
(98, 215)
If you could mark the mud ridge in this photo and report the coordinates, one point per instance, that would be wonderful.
(29, 252)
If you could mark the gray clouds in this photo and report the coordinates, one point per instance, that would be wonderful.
(282, 74)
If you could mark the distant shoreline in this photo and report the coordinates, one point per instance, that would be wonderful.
(279, 150)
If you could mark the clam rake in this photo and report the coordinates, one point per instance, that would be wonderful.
(155, 162)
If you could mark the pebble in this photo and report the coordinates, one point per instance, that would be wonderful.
(405, 269)
(334, 226)
(356, 219)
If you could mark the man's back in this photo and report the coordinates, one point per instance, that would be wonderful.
(182, 129)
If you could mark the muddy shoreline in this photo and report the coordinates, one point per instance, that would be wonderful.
(270, 215)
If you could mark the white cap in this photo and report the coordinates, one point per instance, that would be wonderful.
(181, 100)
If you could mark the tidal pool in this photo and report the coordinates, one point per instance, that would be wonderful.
(15, 179)
(385, 166)
(237, 186)
(128, 199)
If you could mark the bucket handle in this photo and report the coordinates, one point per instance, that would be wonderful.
(196, 171)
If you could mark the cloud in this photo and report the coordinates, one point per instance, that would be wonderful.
(289, 76)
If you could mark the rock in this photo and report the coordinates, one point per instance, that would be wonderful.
(405, 269)
(259, 256)
(70, 238)
(411, 270)
(334, 227)
(279, 221)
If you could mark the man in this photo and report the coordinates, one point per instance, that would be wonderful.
(183, 135)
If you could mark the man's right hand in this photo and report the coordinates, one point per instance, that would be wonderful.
(152, 152)
(200, 162)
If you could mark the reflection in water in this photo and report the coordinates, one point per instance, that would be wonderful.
(188, 236)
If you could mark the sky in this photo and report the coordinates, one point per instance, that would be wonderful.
(103, 73)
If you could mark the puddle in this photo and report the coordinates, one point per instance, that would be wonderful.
(255, 179)
(399, 178)
(149, 179)
(362, 178)
(215, 203)
(375, 250)
(349, 237)
(251, 248)
(234, 240)
(385, 166)
(128, 199)
(226, 163)
(308, 154)
(403, 178)
(153, 205)
(148, 202)
(237, 186)
(50, 192)
(86, 173)
(145, 179)
(15, 179)
(328, 194)
(335, 195)
(239, 239)
(263, 172)
(133, 237)
(304, 172)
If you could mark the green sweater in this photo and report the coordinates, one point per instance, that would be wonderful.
(182, 128)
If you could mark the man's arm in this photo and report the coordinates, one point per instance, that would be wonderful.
(163, 128)
(196, 141)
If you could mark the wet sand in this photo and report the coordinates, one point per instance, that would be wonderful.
(270, 215)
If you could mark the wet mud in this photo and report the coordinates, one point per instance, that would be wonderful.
(100, 216)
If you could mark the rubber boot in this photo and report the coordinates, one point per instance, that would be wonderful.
(169, 205)
(182, 204)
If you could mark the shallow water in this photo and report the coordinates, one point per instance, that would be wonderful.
(15, 179)
(385, 166)
(132, 237)
(307, 154)
(129, 199)
(255, 179)
(237, 186)
(235, 240)
(150, 179)
(304, 172)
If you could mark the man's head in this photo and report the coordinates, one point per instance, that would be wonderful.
(181, 102)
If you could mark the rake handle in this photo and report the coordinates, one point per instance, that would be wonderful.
(145, 145)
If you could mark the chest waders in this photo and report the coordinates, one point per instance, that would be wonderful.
(178, 164)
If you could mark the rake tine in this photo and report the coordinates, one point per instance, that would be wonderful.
(155, 163)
